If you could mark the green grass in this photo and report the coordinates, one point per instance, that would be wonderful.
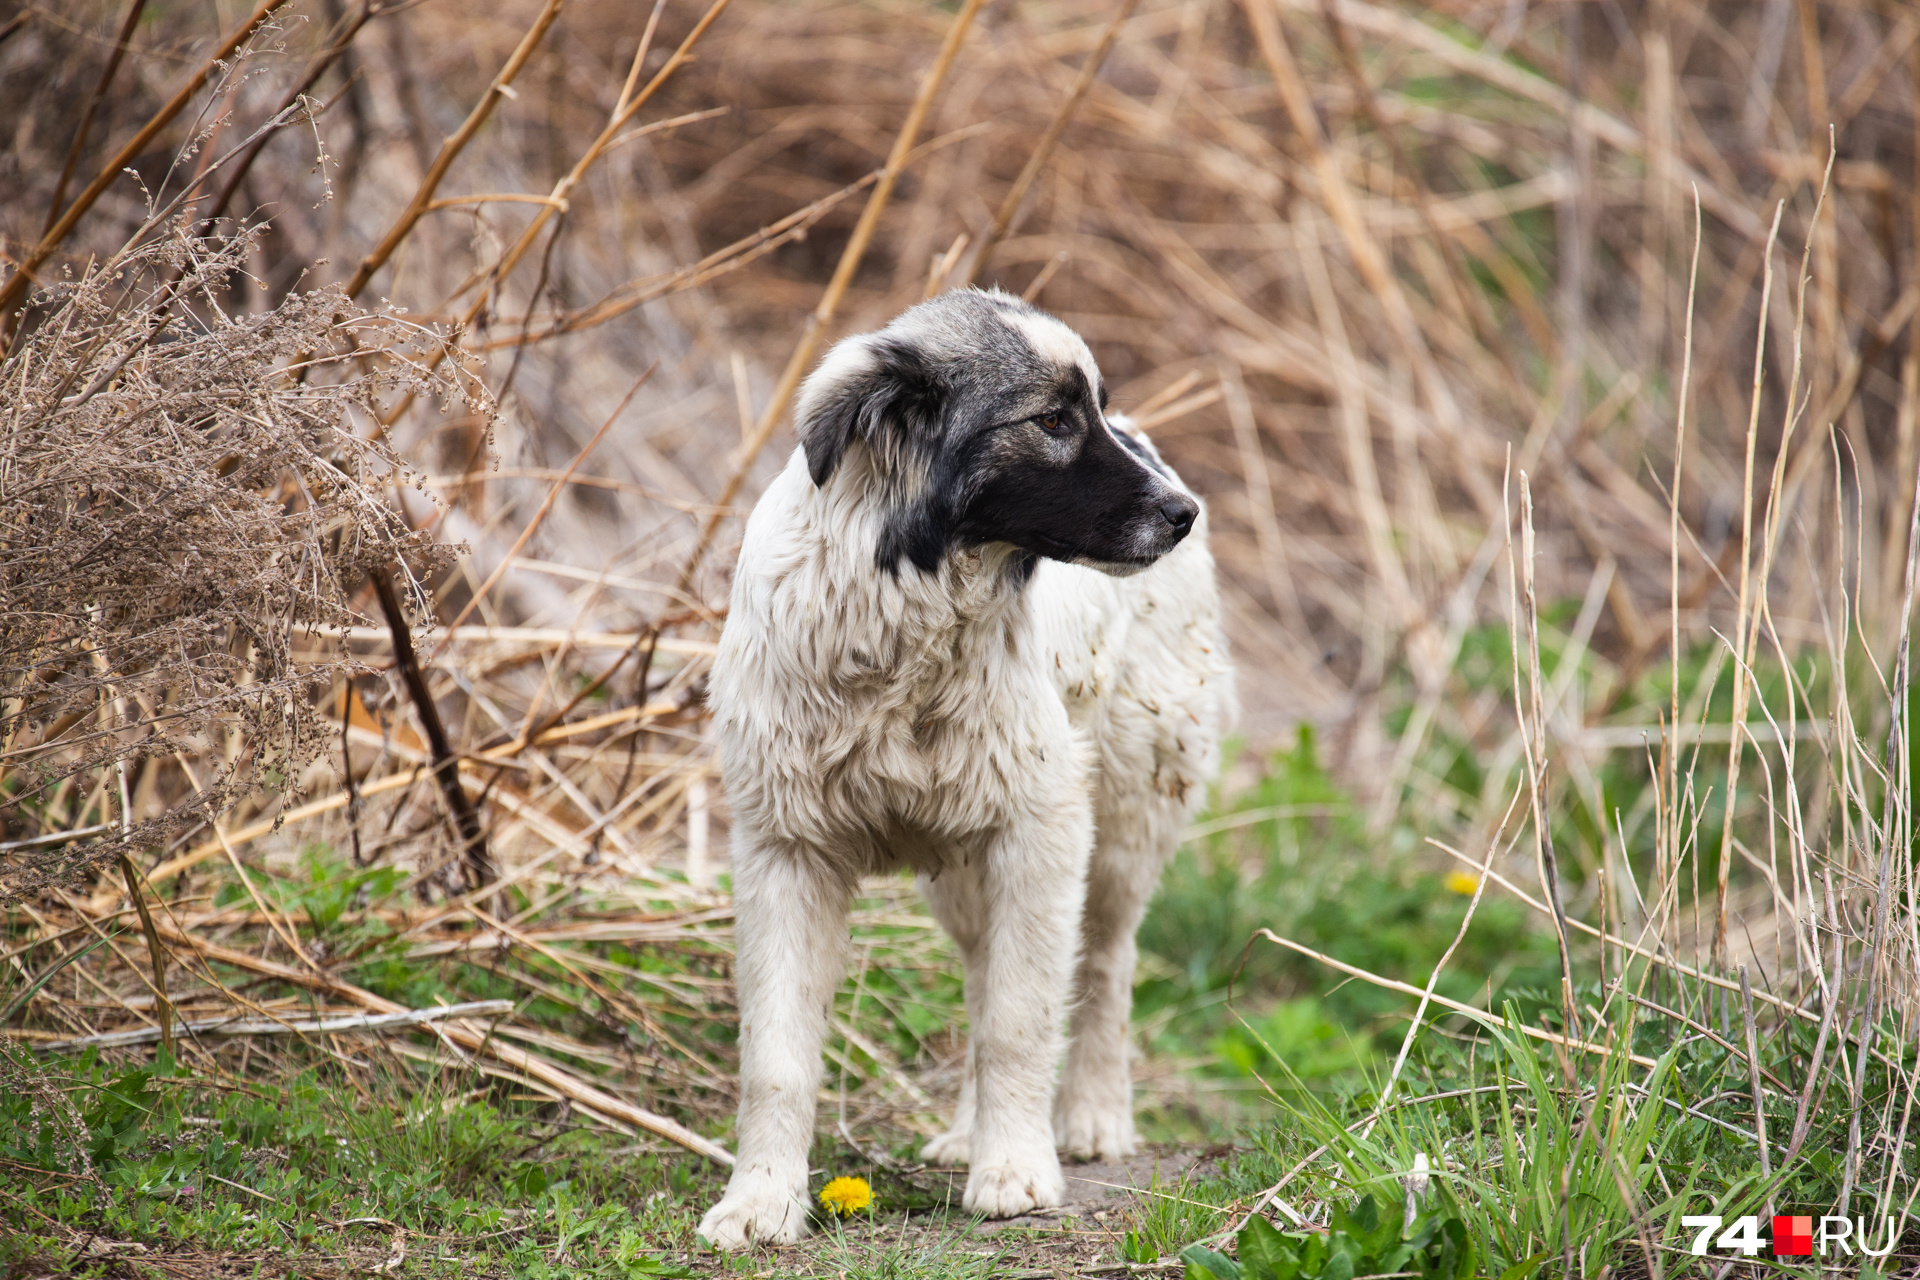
(1549, 1165)
(472, 1177)
(322, 1166)
(1550, 1161)
(1209, 991)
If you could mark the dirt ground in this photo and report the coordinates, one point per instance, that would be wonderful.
(1097, 1189)
(1079, 1238)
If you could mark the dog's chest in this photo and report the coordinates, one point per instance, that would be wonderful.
(910, 719)
(950, 728)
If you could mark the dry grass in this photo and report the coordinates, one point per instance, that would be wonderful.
(1403, 290)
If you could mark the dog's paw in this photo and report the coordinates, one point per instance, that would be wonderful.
(757, 1209)
(1009, 1190)
(948, 1149)
(1087, 1130)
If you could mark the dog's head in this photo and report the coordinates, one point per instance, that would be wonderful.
(975, 418)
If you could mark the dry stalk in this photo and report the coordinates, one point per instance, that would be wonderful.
(624, 111)
(540, 515)
(1390, 984)
(467, 1038)
(1670, 747)
(276, 1026)
(24, 276)
(156, 951)
(836, 289)
(1746, 632)
(1533, 732)
(1426, 996)
(731, 258)
(1338, 198)
(1753, 1072)
(127, 27)
(1043, 151)
(450, 150)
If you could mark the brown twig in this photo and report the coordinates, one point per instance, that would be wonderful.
(450, 150)
(346, 771)
(628, 105)
(624, 110)
(1043, 150)
(473, 840)
(644, 644)
(792, 227)
(836, 288)
(93, 105)
(468, 1038)
(275, 1026)
(15, 290)
(348, 27)
(553, 493)
(312, 809)
(406, 778)
(1733, 1050)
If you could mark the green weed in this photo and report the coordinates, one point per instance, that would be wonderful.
(1171, 1215)
(1364, 1239)
(1311, 872)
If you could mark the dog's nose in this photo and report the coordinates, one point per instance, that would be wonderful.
(1179, 511)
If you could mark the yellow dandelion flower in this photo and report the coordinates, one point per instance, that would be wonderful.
(846, 1196)
(1462, 883)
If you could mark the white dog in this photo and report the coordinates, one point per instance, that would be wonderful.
(973, 631)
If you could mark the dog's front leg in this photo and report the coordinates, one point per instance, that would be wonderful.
(1034, 890)
(790, 927)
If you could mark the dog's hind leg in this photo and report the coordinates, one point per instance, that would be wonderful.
(790, 922)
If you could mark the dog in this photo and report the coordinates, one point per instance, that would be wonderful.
(973, 632)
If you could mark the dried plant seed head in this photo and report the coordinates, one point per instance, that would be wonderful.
(187, 506)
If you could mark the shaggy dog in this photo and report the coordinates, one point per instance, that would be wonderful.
(974, 632)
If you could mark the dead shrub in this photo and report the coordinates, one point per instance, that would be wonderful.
(189, 494)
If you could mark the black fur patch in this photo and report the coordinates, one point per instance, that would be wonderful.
(1140, 451)
(899, 393)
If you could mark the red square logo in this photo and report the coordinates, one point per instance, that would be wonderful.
(1792, 1237)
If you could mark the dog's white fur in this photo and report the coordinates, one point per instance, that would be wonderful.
(1032, 751)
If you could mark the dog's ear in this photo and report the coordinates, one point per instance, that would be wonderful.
(865, 386)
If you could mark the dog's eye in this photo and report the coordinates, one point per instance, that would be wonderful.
(1052, 423)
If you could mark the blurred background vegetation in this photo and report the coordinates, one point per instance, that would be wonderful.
(1550, 370)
